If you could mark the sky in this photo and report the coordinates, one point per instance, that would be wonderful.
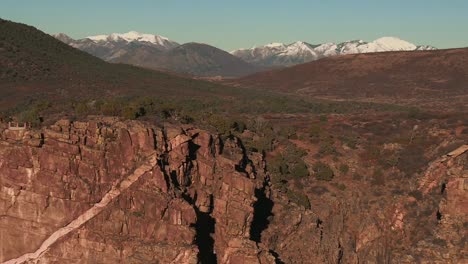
(232, 24)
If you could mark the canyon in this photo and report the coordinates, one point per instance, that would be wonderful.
(349, 159)
(111, 191)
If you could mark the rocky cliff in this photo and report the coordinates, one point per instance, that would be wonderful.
(107, 191)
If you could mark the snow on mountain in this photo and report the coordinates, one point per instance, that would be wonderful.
(279, 54)
(160, 53)
(134, 36)
(379, 45)
(63, 37)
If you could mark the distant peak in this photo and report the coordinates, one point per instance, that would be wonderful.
(394, 43)
(63, 37)
(60, 35)
(132, 36)
(300, 43)
(274, 45)
(389, 38)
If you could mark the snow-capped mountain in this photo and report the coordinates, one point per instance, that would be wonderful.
(157, 52)
(134, 36)
(279, 54)
(111, 46)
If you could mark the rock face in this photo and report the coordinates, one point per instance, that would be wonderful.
(195, 203)
(106, 191)
(427, 226)
(446, 179)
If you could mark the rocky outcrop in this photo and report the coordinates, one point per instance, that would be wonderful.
(445, 182)
(193, 203)
(426, 224)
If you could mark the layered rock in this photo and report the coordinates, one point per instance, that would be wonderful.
(106, 191)
(426, 226)
(445, 181)
(195, 203)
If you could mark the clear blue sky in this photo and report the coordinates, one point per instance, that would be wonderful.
(231, 24)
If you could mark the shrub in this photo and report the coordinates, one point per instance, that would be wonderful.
(323, 118)
(129, 113)
(315, 131)
(30, 116)
(220, 123)
(138, 214)
(110, 108)
(416, 194)
(357, 177)
(319, 190)
(344, 168)
(186, 119)
(239, 126)
(81, 109)
(261, 145)
(340, 186)
(299, 199)
(326, 147)
(349, 141)
(299, 169)
(378, 177)
(323, 172)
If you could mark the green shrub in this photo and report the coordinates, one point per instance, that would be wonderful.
(221, 124)
(378, 178)
(186, 119)
(349, 141)
(262, 144)
(418, 195)
(110, 108)
(323, 172)
(299, 169)
(81, 109)
(340, 186)
(299, 199)
(239, 126)
(129, 113)
(326, 147)
(323, 118)
(315, 132)
(344, 168)
(30, 116)
(138, 214)
(357, 177)
(287, 165)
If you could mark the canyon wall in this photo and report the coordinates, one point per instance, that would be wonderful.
(106, 191)
(194, 203)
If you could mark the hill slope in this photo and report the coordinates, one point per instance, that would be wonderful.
(422, 75)
(34, 64)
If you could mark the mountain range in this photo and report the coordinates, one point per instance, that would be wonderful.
(281, 55)
(161, 53)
